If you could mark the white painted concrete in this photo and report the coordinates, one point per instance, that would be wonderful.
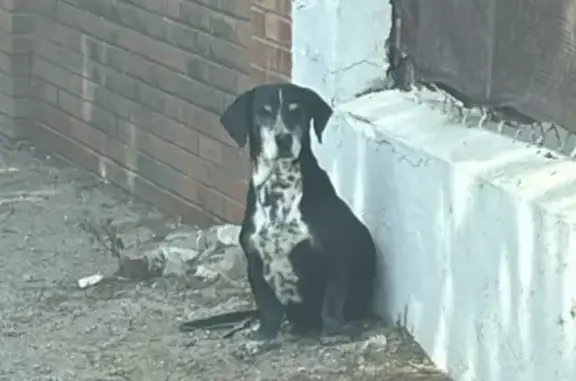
(339, 45)
(477, 232)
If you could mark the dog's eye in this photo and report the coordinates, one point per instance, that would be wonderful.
(265, 110)
(293, 107)
(294, 110)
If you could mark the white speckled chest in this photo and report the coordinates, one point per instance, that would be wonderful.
(278, 225)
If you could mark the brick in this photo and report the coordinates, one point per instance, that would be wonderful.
(141, 83)
(276, 77)
(131, 88)
(18, 64)
(23, 24)
(19, 5)
(14, 127)
(166, 152)
(229, 28)
(244, 33)
(64, 35)
(56, 75)
(222, 78)
(125, 14)
(169, 8)
(167, 129)
(278, 29)
(87, 112)
(131, 111)
(84, 88)
(81, 155)
(240, 9)
(221, 205)
(16, 86)
(281, 7)
(42, 7)
(193, 14)
(167, 81)
(259, 53)
(210, 149)
(6, 21)
(168, 178)
(87, 22)
(258, 75)
(12, 44)
(270, 57)
(236, 161)
(100, 142)
(155, 171)
(258, 22)
(174, 83)
(158, 51)
(17, 23)
(14, 107)
(233, 210)
(157, 26)
(232, 186)
(72, 127)
(284, 7)
(204, 96)
(219, 51)
(173, 204)
(59, 144)
(211, 200)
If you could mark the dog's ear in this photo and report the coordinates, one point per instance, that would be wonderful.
(319, 111)
(237, 117)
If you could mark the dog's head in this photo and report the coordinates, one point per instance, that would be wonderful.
(276, 119)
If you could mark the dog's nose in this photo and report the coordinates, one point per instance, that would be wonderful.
(283, 141)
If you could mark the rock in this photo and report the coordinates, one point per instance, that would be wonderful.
(172, 260)
(206, 273)
(216, 249)
(377, 342)
(230, 265)
(136, 268)
(218, 236)
(228, 234)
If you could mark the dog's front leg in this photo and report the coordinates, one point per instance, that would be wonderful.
(270, 309)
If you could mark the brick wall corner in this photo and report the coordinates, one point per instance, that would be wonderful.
(17, 27)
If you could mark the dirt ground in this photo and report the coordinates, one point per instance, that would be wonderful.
(120, 329)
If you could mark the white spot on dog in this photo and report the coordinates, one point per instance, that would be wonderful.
(269, 146)
(278, 224)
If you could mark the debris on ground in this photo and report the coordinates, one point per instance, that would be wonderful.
(90, 280)
(208, 253)
(95, 284)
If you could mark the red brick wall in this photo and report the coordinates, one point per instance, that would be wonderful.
(271, 40)
(17, 25)
(132, 90)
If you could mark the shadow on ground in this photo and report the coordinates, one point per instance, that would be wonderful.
(50, 329)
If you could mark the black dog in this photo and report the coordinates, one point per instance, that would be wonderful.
(310, 259)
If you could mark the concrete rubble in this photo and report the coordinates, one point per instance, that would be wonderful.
(207, 253)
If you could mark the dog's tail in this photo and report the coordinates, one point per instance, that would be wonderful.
(224, 320)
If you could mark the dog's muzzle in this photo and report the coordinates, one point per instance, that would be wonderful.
(284, 144)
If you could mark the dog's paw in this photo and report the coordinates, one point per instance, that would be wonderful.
(251, 348)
